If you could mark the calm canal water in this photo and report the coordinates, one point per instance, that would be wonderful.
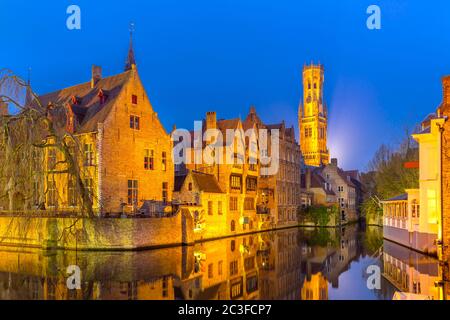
(299, 264)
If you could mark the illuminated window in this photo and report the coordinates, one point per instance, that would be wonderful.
(132, 192)
(251, 183)
(165, 187)
(236, 290)
(210, 208)
(71, 192)
(210, 271)
(51, 193)
(88, 155)
(51, 159)
(89, 187)
(233, 203)
(219, 208)
(135, 122)
(234, 268)
(236, 182)
(432, 205)
(220, 268)
(149, 160)
(233, 225)
(164, 161)
(249, 204)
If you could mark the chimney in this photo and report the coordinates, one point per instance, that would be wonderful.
(308, 179)
(96, 75)
(334, 162)
(211, 120)
(3, 108)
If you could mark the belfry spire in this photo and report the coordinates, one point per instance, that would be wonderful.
(130, 64)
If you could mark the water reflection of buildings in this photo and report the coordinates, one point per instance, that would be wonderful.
(286, 264)
(410, 272)
(280, 271)
(326, 261)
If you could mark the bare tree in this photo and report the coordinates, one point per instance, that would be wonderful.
(27, 137)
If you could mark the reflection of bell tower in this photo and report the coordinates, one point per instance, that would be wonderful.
(313, 118)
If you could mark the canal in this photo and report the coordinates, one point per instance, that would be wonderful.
(299, 264)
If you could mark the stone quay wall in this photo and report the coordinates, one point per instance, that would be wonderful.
(96, 233)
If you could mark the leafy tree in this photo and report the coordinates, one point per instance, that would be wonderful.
(387, 176)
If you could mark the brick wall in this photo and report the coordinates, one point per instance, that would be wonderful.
(96, 234)
(123, 148)
(445, 110)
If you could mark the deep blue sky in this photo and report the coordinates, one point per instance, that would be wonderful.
(225, 55)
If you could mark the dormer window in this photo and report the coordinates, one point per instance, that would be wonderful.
(75, 100)
(134, 99)
(101, 96)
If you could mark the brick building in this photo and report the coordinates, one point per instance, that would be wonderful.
(238, 178)
(125, 154)
(279, 192)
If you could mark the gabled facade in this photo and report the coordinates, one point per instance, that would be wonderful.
(279, 193)
(203, 195)
(321, 190)
(239, 179)
(123, 151)
(344, 189)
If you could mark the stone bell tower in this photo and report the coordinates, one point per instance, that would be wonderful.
(313, 118)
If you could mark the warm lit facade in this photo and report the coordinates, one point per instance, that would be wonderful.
(411, 272)
(238, 180)
(414, 219)
(313, 118)
(207, 202)
(123, 151)
(315, 288)
(279, 194)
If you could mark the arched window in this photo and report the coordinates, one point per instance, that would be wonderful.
(233, 225)
(233, 245)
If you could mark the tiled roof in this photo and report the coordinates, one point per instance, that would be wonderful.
(223, 125)
(88, 109)
(346, 177)
(205, 182)
(317, 181)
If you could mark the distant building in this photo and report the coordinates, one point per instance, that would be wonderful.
(345, 189)
(313, 118)
(329, 186)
